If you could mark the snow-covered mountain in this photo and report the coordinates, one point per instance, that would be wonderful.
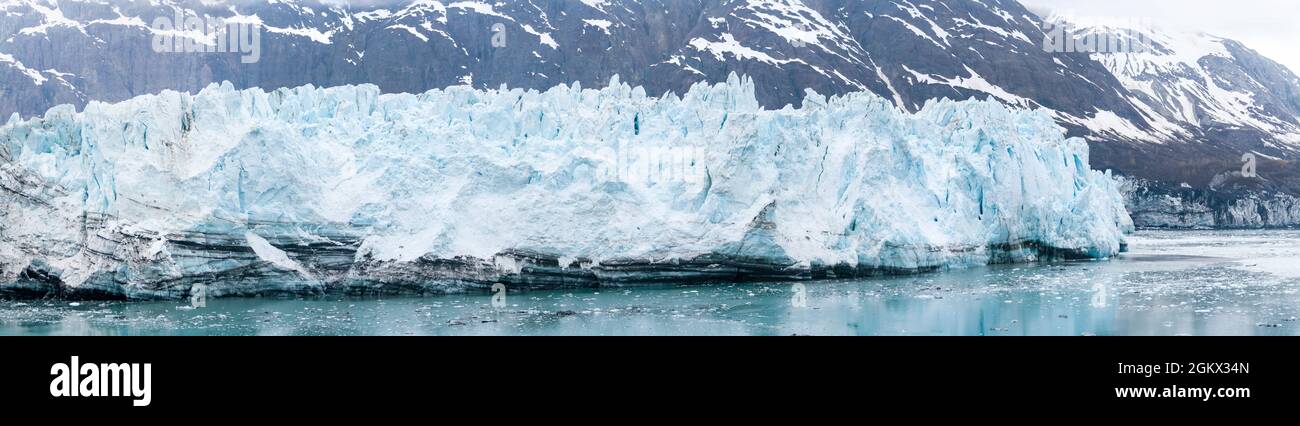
(1187, 85)
(907, 51)
(1176, 119)
(1205, 103)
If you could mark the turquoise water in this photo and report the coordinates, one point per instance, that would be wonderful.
(1172, 283)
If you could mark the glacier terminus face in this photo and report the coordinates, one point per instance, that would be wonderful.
(346, 190)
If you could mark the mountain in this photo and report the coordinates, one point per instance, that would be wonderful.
(1206, 103)
(1175, 120)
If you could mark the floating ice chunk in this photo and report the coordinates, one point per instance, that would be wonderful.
(274, 256)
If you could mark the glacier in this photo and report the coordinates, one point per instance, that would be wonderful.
(346, 190)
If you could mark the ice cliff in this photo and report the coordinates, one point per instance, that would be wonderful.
(342, 189)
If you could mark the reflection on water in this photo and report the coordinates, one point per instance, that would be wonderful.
(1173, 283)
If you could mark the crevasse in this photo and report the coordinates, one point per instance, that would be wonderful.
(346, 189)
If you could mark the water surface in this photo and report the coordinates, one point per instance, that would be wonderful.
(1171, 283)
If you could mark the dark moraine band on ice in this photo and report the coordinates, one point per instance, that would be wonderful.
(345, 190)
